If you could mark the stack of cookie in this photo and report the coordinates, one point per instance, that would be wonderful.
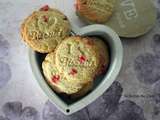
(72, 67)
(72, 62)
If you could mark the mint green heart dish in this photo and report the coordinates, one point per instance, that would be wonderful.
(101, 84)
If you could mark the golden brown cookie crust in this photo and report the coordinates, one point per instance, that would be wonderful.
(103, 51)
(44, 30)
(83, 91)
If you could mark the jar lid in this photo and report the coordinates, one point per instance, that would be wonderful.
(133, 18)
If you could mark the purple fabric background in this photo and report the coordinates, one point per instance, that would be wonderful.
(135, 95)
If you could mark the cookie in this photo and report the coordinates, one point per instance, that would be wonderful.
(44, 29)
(22, 27)
(77, 58)
(96, 11)
(58, 81)
(88, 87)
(103, 50)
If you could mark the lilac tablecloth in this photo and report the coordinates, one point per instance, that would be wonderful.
(135, 95)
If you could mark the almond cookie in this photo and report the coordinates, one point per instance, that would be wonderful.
(58, 81)
(43, 30)
(97, 11)
(77, 58)
(103, 50)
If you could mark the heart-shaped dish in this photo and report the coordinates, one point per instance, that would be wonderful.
(101, 84)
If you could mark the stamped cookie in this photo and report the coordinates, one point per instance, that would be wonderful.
(43, 30)
(103, 50)
(97, 11)
(77, 58)
(58, 81)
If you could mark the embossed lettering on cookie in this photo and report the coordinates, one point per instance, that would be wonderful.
(77, 59)
(133, 18)
(44, 29)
